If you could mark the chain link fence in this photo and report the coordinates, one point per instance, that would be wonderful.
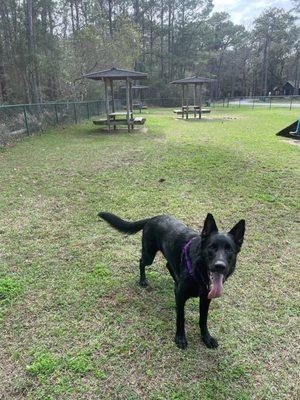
(21, 120)
(289, 102)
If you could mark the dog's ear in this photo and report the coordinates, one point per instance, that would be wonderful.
(209, 226)
(238, 232)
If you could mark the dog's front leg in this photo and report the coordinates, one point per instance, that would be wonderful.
(180, 338)
(209, 341)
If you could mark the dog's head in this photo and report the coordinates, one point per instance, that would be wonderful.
(219, 251)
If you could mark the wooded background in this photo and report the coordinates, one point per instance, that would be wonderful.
(46, 45)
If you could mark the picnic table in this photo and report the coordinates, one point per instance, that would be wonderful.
(193, 109)
(196, 109)
(119, 118)
(114, 118)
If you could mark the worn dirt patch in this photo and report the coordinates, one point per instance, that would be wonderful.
(210, 119)
(142, 129)
(295, 142)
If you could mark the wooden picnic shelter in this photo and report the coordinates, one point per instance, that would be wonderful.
(137, 97)
(196, 109)
(114, 118)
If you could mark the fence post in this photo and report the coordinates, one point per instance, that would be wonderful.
(56, 113)
(227, 101)
(88, 109)
(223, 101)
(291, 102)
(253, 103)
(270, 102)
(239, 102)
(75, 113)
(26, 120)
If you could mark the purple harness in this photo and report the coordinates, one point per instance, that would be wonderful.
(189, 266)
(185, 254)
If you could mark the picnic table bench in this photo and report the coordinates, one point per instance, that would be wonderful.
(193, 110)
(113, 120)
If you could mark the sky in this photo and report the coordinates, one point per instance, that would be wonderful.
(245, 11)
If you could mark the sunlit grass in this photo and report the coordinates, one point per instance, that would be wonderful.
(74, 322)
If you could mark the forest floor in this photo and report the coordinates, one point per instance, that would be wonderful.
(74, 322)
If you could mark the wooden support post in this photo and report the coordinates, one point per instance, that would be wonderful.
(187, 102)
(141, 104)
(128, 103)
(200, 101)
(195, 99)
(131, 103)
(182, 101)
(107, 104)
(112, 99)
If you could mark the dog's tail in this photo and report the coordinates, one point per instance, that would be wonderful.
(121, 225)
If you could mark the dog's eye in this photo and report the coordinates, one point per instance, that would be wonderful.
(227, 247)
(213, 246)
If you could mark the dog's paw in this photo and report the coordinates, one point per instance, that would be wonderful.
(210, 342)
(181, 341)
(143, 283)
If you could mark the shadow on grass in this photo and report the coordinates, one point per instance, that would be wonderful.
(104, 131)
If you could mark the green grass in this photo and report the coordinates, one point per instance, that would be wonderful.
(74, 322)
(9, 288)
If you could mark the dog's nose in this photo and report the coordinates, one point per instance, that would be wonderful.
(220, 266)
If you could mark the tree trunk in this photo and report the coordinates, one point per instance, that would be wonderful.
(110, 17)
(31, 43)
(162, 40)
(265, 68)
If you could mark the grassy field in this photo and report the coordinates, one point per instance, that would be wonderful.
(74, 322)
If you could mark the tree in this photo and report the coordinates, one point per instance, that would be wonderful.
(46, 46)
(275, 41)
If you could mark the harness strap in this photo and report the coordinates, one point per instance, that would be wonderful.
(189, 266)
(185, 254)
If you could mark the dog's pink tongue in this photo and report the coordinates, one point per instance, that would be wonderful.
(217, 287)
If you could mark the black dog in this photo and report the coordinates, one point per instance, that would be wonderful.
(198, 263)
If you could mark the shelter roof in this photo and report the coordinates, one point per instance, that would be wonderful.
(193, 80)
(115, 74)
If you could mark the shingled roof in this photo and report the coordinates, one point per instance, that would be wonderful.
(293, 83)
(115, 74)
(193, 79)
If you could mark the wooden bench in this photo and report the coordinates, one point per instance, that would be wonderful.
(193, 111)
(123, 121)
(111, 122)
